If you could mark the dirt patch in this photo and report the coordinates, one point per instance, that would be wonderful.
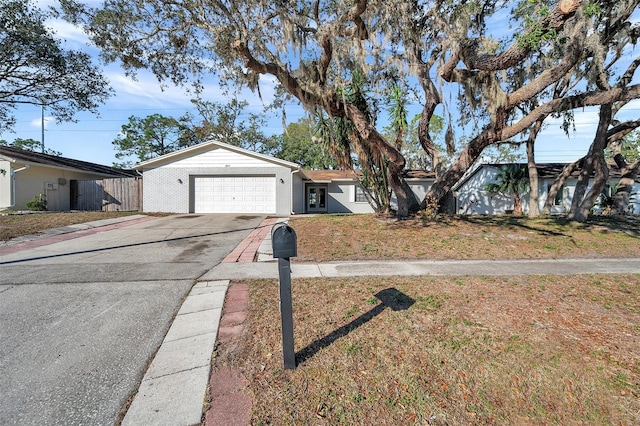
(15, 225)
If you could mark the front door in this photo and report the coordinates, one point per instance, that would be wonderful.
(316, 198)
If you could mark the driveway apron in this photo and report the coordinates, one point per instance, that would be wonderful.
(80, 319)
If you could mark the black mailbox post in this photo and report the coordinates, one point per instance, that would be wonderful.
(284, 241)
(285, 245)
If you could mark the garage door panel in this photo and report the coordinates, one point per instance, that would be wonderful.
(237, 194)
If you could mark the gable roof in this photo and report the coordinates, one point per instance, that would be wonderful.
(323, 176)
(208, 146)
(40, 159)
(545, 171)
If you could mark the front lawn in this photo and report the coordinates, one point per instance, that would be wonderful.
(448, 350)
(358, 237)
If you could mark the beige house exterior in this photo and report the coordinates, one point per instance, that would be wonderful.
(26, 174)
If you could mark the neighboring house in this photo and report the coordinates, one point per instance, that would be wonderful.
(214, 177)
(27, 174)
(472, 196)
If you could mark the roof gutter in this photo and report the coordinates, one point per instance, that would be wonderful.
(13, 184)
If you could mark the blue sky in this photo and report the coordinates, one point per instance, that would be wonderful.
(90, 138)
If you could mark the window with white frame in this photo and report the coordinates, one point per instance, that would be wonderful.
(361, 196)
(557, 201)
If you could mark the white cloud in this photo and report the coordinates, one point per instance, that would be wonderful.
(37, 122)
(145, 91)
(68, 32)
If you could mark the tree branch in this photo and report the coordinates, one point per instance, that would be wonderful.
(555, 20)
(552, 75)
(618, 94)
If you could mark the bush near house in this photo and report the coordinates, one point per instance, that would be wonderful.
(38, 203)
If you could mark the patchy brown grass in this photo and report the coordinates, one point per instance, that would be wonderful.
(359, 237)
(446, 351)
(15, 225)
(524, 350)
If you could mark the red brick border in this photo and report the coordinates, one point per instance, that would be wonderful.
(230, 403)
(247, 249)
(45, 240)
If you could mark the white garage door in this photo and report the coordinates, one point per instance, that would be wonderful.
(235, 194)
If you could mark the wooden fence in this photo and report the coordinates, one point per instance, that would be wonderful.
(117, 194)
(122, 194)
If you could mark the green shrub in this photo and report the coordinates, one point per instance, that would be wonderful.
(38, 203)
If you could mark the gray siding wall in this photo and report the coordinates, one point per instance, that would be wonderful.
(170, 189)
(342, 199)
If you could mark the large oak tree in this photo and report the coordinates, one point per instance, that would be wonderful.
(549, 61)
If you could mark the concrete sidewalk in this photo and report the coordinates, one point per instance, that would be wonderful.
(54, 235)
(259, 270)
(173, 388)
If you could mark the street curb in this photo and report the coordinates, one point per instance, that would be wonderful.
(173, 389)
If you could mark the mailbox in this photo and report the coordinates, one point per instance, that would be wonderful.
(284, 241)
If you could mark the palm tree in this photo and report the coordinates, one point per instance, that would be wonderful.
(512, 179)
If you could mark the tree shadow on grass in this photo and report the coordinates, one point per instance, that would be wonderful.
(543, 225)
(517, 222)
(626, 224)
(389, 298)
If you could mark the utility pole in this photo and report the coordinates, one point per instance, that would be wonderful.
(42, 125)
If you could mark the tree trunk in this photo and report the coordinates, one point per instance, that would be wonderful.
(581, 205)
(432, 99)
(534, 210)
(557, 184)
(517, 204)
(629, 174)
(406, 201)
(601, 175)
(445, 181)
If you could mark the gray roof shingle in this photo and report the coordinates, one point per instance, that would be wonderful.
(32, 157)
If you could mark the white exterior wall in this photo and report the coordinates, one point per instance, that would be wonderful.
(473, 198)
(170, 189)
(419, 188)
(342, 196)
(169, 183)
(342, 199)
(635, 199)
(219, 158)
(298, 194)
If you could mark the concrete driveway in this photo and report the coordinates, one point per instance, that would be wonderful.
(80, 319)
